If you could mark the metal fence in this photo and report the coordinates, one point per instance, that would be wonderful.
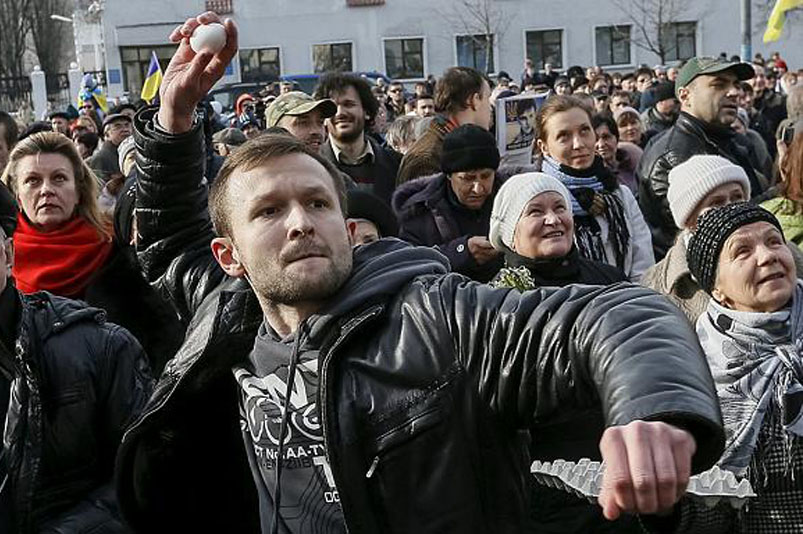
(15, 92)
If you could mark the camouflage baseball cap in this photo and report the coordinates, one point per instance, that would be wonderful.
(697, 66)
(297, 103)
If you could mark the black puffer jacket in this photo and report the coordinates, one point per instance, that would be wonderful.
(79, 381)
(425, 376)
(688, 137)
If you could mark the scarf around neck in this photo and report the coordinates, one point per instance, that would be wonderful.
(594, 195)
(61, 262)
(755, 359)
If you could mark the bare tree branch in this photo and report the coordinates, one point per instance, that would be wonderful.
(653, 21)
(13, 34)
(481, 21)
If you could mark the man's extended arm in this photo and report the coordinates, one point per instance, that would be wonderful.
(624, 347)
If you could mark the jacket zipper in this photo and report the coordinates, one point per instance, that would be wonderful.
(324, 408)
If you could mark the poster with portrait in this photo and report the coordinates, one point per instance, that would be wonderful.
(515, 126)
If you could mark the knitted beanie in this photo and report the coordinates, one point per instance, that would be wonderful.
(511, 200)
(469, 148)
(713, 229)
(664, 91)
(693, 179)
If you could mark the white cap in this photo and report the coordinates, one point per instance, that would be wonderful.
(692, 180)
(511, 199)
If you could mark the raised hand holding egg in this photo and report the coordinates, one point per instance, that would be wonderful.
(208, 38)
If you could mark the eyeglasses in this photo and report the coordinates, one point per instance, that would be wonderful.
(394, 90)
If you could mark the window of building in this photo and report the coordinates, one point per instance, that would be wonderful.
(545, 46)
(613, 45)
(135, 61)
(680, 40)
(404, 58)
(476, 51)
(260, 64)
(335, 57)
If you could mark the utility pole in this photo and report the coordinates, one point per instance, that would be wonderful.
(747, 33)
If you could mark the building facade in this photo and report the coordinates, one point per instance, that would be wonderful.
(410, 39)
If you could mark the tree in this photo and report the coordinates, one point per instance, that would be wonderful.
(51, 39)
(653, 23)
(480, 22)
(13, 36)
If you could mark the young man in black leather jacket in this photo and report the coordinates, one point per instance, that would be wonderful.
(323, 389)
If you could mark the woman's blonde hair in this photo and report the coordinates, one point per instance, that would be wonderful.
(86, 182)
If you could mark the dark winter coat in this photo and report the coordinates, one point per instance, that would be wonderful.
(525, 274)
(430, 215)
(426, 378)
(576, 436)
(78, 382)
(655, 123)
(688, 137)
(377, 176)
(120, 289)
(105, 162)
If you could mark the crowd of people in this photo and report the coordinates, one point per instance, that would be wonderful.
(347, 311)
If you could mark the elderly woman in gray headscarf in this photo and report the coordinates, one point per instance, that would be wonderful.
(752, 334)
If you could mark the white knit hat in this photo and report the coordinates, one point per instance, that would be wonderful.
(511, 199)
(693, 179)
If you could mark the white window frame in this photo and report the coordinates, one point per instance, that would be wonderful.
(336, 42)
(424, 51)
(617, 66)
(697, 40)
(564, 39)
(494, 49)
(262, 47)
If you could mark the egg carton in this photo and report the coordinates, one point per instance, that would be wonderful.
(584, 479)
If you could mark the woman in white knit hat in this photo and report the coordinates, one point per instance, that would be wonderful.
(532, 224)
(700, 183)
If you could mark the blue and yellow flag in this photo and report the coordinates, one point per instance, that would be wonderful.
(777, 17)
(152, 80)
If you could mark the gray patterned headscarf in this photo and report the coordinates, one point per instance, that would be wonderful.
(755, 359)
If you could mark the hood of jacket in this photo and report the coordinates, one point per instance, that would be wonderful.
(380, 271)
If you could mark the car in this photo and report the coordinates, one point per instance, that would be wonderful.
(228, 94)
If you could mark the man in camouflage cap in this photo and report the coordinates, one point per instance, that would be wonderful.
(302, 116)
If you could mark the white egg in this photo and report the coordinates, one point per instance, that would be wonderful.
(208, 37)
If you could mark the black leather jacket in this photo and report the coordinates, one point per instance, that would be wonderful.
(688, 137)
(78, 382)
(426, 378)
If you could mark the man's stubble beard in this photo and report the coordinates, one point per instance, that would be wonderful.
(275, 285)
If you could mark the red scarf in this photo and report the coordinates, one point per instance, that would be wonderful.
(62, 261)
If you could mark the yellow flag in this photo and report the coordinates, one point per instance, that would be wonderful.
(154, 79)
(777, 17)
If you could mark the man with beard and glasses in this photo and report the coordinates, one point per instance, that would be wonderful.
(372, 167)
(708, 90)
(328, 389)
(302, 116)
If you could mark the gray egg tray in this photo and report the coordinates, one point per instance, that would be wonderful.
(584, 479)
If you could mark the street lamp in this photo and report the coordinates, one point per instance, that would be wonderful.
(71, 20)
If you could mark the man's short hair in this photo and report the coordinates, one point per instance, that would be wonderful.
(336, 82)
(253, 154)
(455, 88)
(605, 119)
(11, 131)
(644, 70)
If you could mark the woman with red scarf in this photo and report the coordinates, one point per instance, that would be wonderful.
(63, 240)
(66, 245)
